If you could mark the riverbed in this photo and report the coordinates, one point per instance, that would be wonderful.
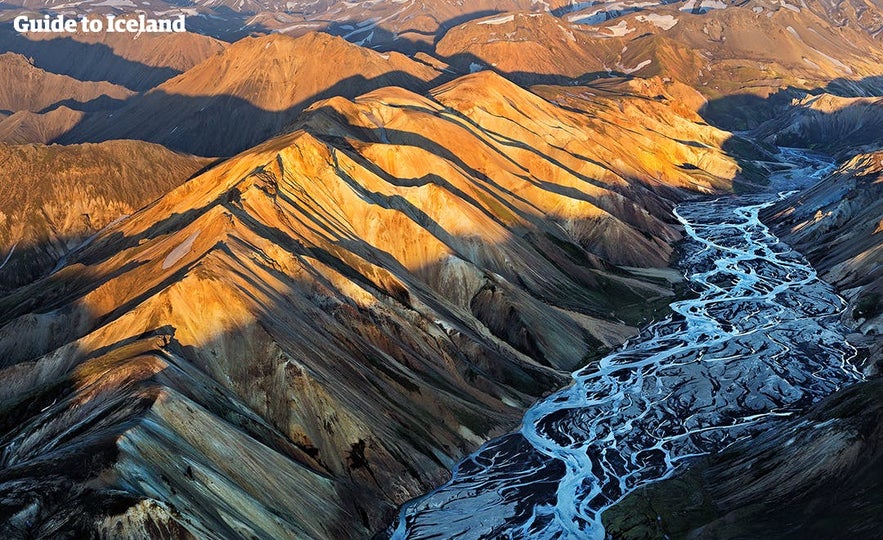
(760, 341)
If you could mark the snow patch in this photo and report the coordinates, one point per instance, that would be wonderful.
(664, 22)
(499, 20)
(792, 7)
(620, 29)
(9, 256)
(115, 4)
(179, 252)
(629, 71)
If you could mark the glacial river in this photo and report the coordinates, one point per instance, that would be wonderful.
(761, 341)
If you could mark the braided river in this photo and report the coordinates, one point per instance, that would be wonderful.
(759, 341)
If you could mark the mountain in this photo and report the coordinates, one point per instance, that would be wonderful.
(249, 92)
(135, 61)
(841, 126)
(29, 88)
(29, 127)
(837, 224)
(55, 197)
(349, 307)
(405, 25)
(410, 25)
(748, 60)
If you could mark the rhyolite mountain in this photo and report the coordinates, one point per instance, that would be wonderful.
(249, 92)
(310, 333)
(55, 197)
(749, 61)
(399, 256)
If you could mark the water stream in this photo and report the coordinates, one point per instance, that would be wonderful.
(761, 341)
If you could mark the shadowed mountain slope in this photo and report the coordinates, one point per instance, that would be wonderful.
(350, 307)
(29, 88)
(249, 92)
(54, 197)
(837, 125)
(813, 477)
(135, 61)
(838, 224)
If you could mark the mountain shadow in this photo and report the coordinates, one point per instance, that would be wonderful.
(214, 125)
(85, 61)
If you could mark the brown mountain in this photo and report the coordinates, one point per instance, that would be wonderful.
(29, 88)
(30, 127)
(737, 57)
(409, 24)
(135, 61)
(250, 92)
(314, 331)
(55, 197)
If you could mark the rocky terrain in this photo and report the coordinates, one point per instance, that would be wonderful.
(349, 307)
(427, 216)
(55, 197)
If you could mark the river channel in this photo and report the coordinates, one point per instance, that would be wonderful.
(759, 341)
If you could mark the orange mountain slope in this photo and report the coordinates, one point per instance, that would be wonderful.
(349, 307)
(249, 92)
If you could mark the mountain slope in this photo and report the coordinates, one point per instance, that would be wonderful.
(28, 88)
(28, 127)
(737, 57)
(838, 125)
(351, 307)
(250, 92)
(54, 197)
(838, 225)
(138, 62)
(817, 476)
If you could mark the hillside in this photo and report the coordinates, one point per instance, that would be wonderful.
(29, 88)
(836, 224)
(54, 197)
(748, 59)
(350, 307)
(136, 62)
(248, 93)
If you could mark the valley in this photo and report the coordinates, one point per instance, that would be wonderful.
(760, 343)
(439, 269)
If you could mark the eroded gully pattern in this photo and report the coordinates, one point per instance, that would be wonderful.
(761, 341)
